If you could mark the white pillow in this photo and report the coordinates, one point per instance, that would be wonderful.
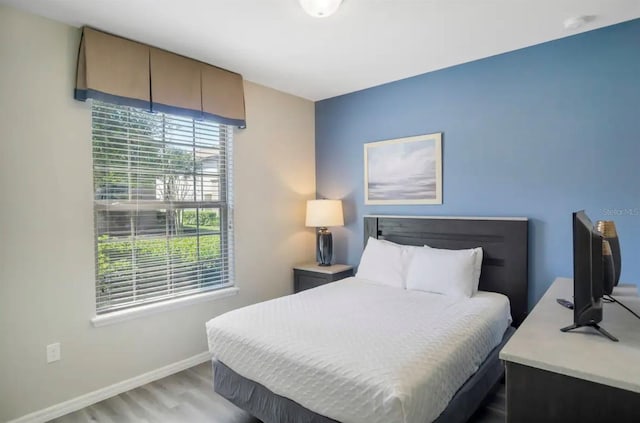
(407, 252)
(477, 266)
(448, 272)
(383, 262)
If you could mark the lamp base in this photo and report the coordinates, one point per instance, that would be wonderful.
(608, 230)
(608, 268)
(324, 247)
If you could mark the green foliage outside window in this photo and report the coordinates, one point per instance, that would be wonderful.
(115, 256)
(209, 220)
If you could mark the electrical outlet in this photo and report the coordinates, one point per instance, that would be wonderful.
(53, 352)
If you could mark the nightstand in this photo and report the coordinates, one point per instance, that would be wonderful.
(307, 276)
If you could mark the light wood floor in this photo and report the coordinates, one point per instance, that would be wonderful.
(188, 397)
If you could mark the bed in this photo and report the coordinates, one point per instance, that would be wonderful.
(356, 352)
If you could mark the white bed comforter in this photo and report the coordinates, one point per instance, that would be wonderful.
(362, 353)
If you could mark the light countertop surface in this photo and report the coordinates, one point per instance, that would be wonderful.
(314, 267)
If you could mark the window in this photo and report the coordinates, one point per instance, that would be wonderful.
(162, 206)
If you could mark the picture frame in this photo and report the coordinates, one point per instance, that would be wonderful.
(404, 170)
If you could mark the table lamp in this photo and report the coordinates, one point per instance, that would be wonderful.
(321, 214)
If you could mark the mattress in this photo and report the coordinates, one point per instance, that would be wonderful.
(359, 352)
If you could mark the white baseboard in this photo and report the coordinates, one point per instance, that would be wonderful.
(86, 400)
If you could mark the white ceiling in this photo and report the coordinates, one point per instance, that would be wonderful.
(366, 43)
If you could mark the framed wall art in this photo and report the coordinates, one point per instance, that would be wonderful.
(404, 170)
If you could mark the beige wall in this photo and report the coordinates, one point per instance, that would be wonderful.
(46, 225)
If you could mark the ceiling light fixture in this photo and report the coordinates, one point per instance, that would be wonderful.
(320, 8)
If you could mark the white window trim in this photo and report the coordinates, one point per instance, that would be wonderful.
(118, 316)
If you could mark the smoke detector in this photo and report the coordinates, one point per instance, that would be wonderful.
(576, 22)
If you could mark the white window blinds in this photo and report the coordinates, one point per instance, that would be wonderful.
(162, 206)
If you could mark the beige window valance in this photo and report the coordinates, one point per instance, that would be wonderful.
(122, 71)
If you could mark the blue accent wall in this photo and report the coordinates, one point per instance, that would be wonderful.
(538, 132)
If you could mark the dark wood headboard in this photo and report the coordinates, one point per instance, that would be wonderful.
(504, 242)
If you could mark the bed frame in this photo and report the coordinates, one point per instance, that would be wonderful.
(504, 270)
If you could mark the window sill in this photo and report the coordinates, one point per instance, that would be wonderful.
(145, 310)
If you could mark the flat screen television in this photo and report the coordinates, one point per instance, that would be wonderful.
(588, 275)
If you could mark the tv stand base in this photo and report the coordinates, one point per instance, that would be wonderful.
(591, 325)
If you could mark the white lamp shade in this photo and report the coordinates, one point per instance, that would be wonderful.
(324, 213)
(320, 8)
